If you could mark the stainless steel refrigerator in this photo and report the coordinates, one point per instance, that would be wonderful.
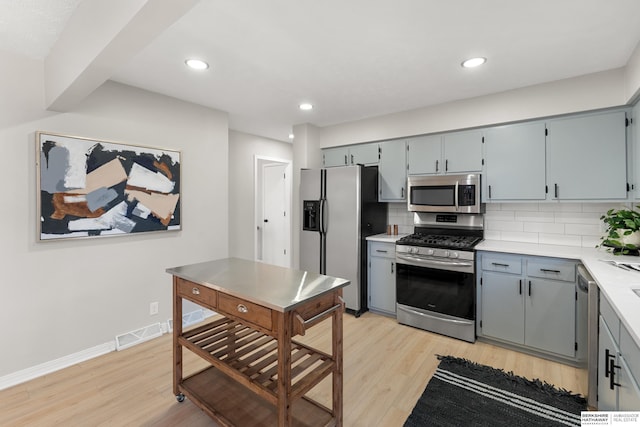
(340, 209)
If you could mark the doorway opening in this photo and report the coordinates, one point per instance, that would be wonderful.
(272, 241)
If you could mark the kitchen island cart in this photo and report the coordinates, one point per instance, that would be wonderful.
(257, 374)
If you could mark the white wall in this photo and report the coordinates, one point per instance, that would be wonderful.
(62, 297)
(632, 76)
(243, 148)
(592, 91)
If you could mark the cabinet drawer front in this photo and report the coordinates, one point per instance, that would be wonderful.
(610, 317)
(630, 352)
(556, 270)
(197, 293)
(245, 311)
(386, 250)
(502, 263)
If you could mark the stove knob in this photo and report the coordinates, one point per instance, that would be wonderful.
(453, 255)
(430, 251)
(445, 254)
(412, 250)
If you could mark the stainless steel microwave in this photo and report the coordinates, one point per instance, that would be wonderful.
(445, 193)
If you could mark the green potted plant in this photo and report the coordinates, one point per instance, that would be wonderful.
(623, 234)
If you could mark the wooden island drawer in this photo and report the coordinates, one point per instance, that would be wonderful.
(197, 293)
(245, 311)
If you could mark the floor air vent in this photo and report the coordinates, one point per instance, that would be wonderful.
(191, 318)
(138, 336)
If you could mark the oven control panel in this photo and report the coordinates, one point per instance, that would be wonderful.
(435, 252)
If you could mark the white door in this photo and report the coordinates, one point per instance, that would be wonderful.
(275, 233)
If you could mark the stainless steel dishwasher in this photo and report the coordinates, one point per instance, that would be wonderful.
(587, 329)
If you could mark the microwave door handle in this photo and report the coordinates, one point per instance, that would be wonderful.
(456, 196)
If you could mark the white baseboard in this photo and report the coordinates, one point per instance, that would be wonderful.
(45, 368)
(27, 374)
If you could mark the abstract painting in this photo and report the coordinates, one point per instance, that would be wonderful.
(91, 188)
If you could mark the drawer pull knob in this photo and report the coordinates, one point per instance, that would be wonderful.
(195, 291)
(546, 270)
(242, 308)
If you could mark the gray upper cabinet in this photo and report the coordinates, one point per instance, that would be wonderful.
(363, 154)
(462, 151)
(424, 155)
(450, 153)
(586, 157)
(393, 171)
(515, 162)
(337, 156)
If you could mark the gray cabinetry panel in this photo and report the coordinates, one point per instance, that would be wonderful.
(393, 171)
(586, 157)
(515, 162)
(503, 307)
(462, 151)
(424, 155)
(550, 315)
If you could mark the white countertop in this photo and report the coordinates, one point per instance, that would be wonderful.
(614, 282)
(387, 238)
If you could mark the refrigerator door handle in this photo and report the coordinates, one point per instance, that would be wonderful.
(323, 229)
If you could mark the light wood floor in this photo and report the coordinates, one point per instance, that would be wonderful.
(386, 368)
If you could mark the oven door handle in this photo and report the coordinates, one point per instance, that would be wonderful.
(426, 262)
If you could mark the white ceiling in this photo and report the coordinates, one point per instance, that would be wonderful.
(351, 59)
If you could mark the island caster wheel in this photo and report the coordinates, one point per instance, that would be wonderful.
(180, 397)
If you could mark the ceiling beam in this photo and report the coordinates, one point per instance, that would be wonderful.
(100, 37)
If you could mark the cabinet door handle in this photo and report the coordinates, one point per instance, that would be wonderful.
(612, 381)
(436, 166)
(489, 191)
(391, 268)
(520, 287)
(352, 159)
(529, 287)
(555, 191)
(195, 291)
(607, 362)
(446, 165)
(402, 192)
(380, 250)
(345, 159)
(545, 270)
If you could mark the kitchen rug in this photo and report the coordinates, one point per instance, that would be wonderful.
(464, 393)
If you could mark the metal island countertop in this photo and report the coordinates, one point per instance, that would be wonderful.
(279, 288)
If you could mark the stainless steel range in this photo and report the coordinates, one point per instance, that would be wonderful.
(435, 274)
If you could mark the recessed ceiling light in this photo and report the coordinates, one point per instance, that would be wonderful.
(306, 106)
(473, 62)
(291, 136)
(196, 64)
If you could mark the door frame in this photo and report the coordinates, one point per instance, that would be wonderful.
(259, 163)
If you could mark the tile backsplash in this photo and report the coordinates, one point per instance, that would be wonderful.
(569, 224)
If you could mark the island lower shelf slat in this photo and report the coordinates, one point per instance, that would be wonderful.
(250, 357)
(224, 399)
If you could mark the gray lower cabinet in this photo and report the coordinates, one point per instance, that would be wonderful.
(618, 364)
(382, 277)
(529, 302)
